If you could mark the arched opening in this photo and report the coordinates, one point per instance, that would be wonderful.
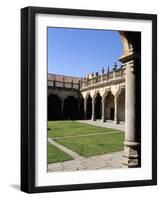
(71, 108)
(98, 106)
(80, 107)
(121, 105)
(54, 108)
(109, 106)
(89, 107)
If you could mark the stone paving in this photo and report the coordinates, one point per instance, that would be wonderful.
(107, 124)
(106, 161)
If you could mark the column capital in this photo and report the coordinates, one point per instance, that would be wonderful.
(103, 99)
(128, 56)
(129, 67)
(85, 100)
(93, 99)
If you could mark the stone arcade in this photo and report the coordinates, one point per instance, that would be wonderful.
(110, 95)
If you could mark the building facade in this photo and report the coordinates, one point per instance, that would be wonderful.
(92, 97)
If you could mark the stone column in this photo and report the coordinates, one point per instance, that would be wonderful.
(93, 110)
(85, 109)
(116, 121)
(103, 110)
(131, 146)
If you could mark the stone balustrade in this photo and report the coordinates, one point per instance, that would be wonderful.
(96, 79)
(63, 84)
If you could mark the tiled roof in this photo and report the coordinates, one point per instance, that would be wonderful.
(59, 77)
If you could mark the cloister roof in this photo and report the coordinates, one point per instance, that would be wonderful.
(59, 77)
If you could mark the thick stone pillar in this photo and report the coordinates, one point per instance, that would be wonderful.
(131, 146)
(116, 120)
(103, 110)
(131, 60)
(93, 110)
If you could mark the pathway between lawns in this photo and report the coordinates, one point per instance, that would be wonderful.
(106, 161)
(73, 154)
(85, 135)
(107, 124)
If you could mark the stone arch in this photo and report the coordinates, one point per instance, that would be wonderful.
(131, 42)
(80, 100)
(88, 106)
(86, 95)
(107, 90)
(126, 44)
(54, 107)
(121, 104)
(98, 106)
(109, 106)
(96, 92)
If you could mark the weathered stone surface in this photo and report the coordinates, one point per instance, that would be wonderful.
(131, 156)
(107, 124)
(107, 161)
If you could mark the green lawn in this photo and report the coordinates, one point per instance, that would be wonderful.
(56, 155)
(88, 145)
(66, 128)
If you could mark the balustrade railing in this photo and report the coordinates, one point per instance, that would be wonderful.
(62, 84)
(85, 82)
(113, 75)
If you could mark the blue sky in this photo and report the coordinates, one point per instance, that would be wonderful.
(77, 52)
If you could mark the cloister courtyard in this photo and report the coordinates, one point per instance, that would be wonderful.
(94, 117)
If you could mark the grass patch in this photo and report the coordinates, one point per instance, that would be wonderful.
(88, 145)
(94, 145)
(73, 128)
(56, 155)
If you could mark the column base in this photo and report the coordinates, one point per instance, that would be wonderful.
(103, 120)
(93, 118)
(131, 154)
(116, 122)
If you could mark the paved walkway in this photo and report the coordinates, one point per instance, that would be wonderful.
(73, 154)
(106, 161)
(107, 124)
